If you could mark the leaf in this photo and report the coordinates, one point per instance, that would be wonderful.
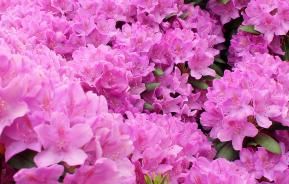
(193, 1)
(249, 29)
(148, 180)
(170, 16)
(218, 145)
(268, 143)
(285, 46)
(152, 86)
(217, 69)
(164, 180)
(158, 72)
(224, 1)
(148, 106)
(156, 179)
(199, 84)
(251, 143)
(23, 160)
(227, 152)
(184, 15)
(219, 60)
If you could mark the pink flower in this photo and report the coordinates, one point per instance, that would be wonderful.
(78, 105)
(19, 137)
(62, 142)
(12, 105)
(282, 177)
(110, 141)
(104, 171)
(164, 144)
(236, 129)
(250, 95)
(137, 38)
(218, 171)
(243, 44)
(262, 163)
(225, 11)
(43, 175)
(268, 17)
(63, 6)
(202, 58)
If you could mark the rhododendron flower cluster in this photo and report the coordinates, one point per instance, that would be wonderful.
(144, 91)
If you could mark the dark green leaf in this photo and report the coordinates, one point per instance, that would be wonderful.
(249, 29)
(219, 60)
(193, 1)
(152, 86)
(217, 69)
(208, 78)
(170, 16)
(218, 145)
(227, 152)
(224, 1)
(199, 84)
(285, 46)
(23, 160)
(268, 143)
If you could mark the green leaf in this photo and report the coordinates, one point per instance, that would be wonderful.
(224, 1)
(218, 145)
(152, 86)
(217, 69)
(148, 106)
(285, 46)
(171, 15)
(249, 29)
(193, 1)
(148, 180)
(156, 179)
(251, 143)
(158, 72)
(219, 60)
(23, 160)
(268, 143)
(199, 84)
(227, 152)
(184, 15)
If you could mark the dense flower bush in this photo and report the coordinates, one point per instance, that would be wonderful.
(144, 91)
